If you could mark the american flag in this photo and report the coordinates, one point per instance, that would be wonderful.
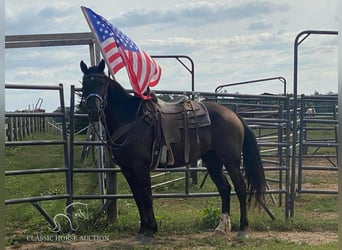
(119, 51)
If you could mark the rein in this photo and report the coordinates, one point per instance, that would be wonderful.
(121, 131)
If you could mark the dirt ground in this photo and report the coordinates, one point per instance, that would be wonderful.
(309, 238)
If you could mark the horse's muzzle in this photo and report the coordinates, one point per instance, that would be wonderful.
(94, 115)
(95, 104)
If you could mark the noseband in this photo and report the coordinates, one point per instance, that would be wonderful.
(94, 95)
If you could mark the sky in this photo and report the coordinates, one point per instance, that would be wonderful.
(228, 41)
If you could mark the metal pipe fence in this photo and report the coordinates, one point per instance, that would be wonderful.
(318, 144)
(299, 39)
(272, 128)
(21, 141)
(284, 140)
(273, 133)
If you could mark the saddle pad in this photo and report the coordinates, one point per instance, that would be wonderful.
(195, 112)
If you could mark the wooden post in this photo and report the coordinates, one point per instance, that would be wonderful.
(111, 183)
(10, 129)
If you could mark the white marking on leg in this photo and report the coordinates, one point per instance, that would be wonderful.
(224, 226)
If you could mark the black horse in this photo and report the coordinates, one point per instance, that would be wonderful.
(219, 144)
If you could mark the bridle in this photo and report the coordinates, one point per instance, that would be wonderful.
(94, 95)
(103, 102)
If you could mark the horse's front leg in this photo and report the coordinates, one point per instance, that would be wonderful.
(224, 226)
(140, 183)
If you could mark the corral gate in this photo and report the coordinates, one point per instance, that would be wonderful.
(299, 39)
(47, 40)
(46, 118)
(318, 144)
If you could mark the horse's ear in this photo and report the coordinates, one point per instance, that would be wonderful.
(101, 66)
(84, 67)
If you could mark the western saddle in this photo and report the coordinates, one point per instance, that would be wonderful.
(169, 119)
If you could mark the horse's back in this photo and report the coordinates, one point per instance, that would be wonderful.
(221, 115)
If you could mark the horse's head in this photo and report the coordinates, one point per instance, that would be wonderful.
(94, 86)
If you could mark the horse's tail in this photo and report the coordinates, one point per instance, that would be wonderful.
(252, 164)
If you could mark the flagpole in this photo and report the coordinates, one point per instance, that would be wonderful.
(89, 24)
(97, 42)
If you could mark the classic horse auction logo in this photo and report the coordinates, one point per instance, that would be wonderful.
(78, 213)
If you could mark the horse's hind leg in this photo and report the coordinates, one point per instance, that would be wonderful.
(214, 167)
(240, 188)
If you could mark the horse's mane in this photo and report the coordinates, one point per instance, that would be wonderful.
(118, 95)
(117, 88)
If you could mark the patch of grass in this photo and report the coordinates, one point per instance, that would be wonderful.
(310, 203)
(176, 217)
(210, 216)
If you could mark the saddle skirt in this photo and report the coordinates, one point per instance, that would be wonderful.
(172, 118)
(181, 107)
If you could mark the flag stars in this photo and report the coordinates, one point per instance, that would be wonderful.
(112, 40)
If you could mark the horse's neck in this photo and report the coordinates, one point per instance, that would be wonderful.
(117, 94)
(121, 106)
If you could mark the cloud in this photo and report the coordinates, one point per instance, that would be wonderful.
(260, 25)
(198, 13)
(228, 40)
(253, 41)
(256, 9)
(55, 11)
(56, 17)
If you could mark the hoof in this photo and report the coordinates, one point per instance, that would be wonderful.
(147, 240)
(218, 232)
(242, 235)
(144, 239)
(138, 237)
